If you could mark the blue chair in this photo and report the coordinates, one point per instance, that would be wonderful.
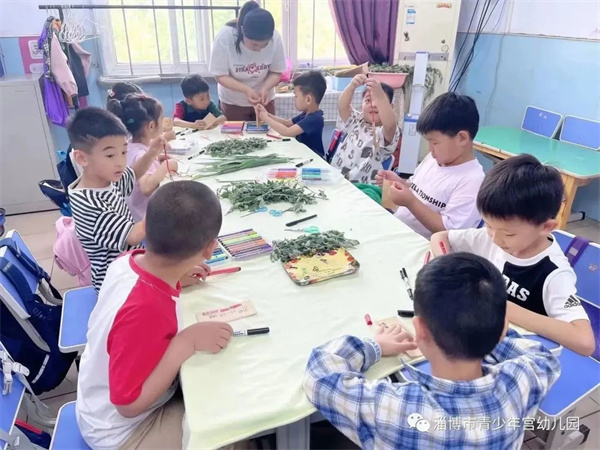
(388, 163)
(78, 305)
(9, 407)
(582, 132)
(540, 121)
(66, 433)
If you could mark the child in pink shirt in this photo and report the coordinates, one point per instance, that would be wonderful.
(143, 118)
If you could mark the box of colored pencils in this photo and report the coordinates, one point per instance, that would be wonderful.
(252, 127)
(233, 127)
(218, 256)
(245, 244)
(310, 175)
(282, 173)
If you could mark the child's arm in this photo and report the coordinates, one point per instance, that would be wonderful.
(157, 147)
(386, 112)
(201, 337)
(286, 122)
(334, 382)
(292, 130)
(345, 100)
(151, 181)
(577, 335)
(183, 123)
(137, 233)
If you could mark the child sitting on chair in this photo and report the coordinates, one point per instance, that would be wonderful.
(143, 118)
(519, 200)
(126, 391)
(441, 193)
(307, 127)
(372, 134)
(192, 111)
(103, 222)
(479, 369)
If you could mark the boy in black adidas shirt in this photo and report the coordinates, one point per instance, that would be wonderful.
(519, 200)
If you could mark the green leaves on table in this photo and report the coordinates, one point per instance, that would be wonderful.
(309, 245)
(235, 147)
(221, 166)
(249, 196)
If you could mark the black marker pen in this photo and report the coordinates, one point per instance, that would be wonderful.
(251, 331)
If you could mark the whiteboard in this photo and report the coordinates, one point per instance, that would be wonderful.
(564, 18)
(24, 18)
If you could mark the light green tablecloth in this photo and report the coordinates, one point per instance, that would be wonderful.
(578, 161)
(255, 384)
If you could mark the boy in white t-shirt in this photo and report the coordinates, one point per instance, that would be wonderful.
(441, 193)
(519, 200)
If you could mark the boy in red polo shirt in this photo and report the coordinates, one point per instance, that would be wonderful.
(128, 372)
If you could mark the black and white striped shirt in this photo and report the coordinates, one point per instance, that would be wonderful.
(103, 222)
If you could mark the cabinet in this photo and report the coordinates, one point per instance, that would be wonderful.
(27, 153)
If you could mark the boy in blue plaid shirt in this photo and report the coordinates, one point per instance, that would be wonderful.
(482, 373)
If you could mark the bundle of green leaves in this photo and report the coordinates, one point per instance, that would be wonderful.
(309, 245)
(221, 166)
(251, 195)
(233, 147)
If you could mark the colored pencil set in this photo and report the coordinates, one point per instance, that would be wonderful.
(245, 244)
(282, 174)
(218, 256)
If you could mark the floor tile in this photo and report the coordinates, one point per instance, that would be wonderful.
(535, 444)
(591, 233)
(54, 405)
(593, 441)
(41, 244)
(587, 228)
(46, 264)
(32, 223)
(528, 435)
(596, 396)
(62, 280)
(586, 407)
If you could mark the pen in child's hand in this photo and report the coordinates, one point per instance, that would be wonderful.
(427, 257)
(224, 271)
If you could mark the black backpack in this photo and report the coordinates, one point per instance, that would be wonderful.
(47, 368)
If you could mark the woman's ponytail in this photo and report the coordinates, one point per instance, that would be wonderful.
(254, 23)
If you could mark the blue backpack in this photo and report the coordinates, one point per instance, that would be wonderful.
(47, 369)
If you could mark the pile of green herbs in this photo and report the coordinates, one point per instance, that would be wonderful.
(252, 195)
(309, 245)
(222, 166)
(235, 147)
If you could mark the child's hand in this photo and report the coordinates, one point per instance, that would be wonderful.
(170, 165)
(158, 146)
(209, 337)
(394, 340)
(377, 93)
(401, 193)
(358, 80)
(195, 274)
(386, 175)
(253, 96)
(169, 135)
(200, 124)
(261, 112)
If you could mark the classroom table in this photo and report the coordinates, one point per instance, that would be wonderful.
(255, 384)
(577, 165)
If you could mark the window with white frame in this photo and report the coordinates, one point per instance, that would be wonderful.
(173, 40)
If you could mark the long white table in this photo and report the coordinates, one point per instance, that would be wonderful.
(255, 384)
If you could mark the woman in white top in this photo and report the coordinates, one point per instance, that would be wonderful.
(247, 60)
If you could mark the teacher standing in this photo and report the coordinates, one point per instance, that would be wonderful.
(247, 60)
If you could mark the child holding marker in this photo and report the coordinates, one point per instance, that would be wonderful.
(126, 390)
(479, 369)
(193, 109)
(143, 118)
(519, 200)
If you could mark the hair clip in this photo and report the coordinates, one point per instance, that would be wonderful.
(129, 121)
(111, 93)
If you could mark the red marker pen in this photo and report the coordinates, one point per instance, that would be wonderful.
(443, 247)
(224, 271)
(368, 319)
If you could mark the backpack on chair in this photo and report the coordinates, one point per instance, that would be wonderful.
(47, 369)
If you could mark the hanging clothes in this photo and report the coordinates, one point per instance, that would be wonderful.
(54, 102)
(79, 62)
